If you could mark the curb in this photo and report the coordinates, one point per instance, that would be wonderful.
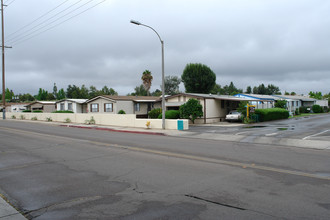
(114, 130)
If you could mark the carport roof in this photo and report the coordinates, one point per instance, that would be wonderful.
(212, 96)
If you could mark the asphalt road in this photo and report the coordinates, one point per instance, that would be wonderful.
(316, 127)
(52, 172)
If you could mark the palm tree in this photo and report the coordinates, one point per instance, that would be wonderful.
(147, 79)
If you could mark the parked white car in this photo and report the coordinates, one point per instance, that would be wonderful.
(234, 115)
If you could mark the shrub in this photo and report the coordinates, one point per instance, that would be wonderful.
(170, 114)
(154, 113)
(91, 121)
(67, 120)
(49, 119)
(63, 111)
(317, 109)
(13, 117)
(191, 110)
(280, 104)
(297, 112)
(37, 111)
(34, 118)
(303, 109)
(121, 112)
(270, 114)
(326, 109)
(26, 111)
(22, 117)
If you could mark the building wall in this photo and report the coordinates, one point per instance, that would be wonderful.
(101, 102)
(127, 120)
(127, 106)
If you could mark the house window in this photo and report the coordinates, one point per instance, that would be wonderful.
(62, 107)
(94, 107)
(222, 103)
(70, 106)
(137, 107)
(292, 103)
(108, 107)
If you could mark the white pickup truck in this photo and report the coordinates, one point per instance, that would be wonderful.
(234, 115)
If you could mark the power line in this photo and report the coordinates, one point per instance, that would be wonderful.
(19, 35)
(45, 26)
(52, 27)
(25, 26)
(7, 4)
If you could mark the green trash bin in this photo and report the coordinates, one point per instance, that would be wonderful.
(180, 125)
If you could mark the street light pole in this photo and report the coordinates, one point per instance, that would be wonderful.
(163, 74)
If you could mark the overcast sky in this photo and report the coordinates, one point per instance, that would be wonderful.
(249, 42)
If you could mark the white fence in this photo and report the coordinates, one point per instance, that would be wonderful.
(125, 120)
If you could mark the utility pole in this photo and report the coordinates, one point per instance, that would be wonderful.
(3, 64)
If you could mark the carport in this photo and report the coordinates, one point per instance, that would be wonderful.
(215, 107)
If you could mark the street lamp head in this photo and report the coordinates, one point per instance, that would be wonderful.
(135, 22)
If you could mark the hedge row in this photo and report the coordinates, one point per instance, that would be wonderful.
(270, 114)
(171, 114)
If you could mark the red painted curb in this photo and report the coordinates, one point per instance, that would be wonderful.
(114, 130)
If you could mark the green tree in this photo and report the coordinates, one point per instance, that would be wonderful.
(272, 90)
(50, 97)
(26, 97)
(139, 91)
(255, 90)
(84, 92)
(191, 110)
(55, 91)
(146, 80)
(9, 94)
(42, 95)
(248, 90)
(171, 84)
(60, 94)
(286, 93)
(157, 92)
(315, 95)
(217, 90)
(293, 93)
(108, 91)
(280, 104)
(231, 89)
(198, 78)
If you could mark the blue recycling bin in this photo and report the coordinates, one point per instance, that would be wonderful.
(180, 125)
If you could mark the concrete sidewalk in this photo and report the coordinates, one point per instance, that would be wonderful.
(7, 212)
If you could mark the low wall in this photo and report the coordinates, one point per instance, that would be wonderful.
(126, 120)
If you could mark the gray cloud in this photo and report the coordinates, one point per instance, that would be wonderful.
(285, 43)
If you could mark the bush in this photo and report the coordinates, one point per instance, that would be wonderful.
(37, 111)
(67, 120)
(91, 121)
(296, 112)
(280, 104)
(13, 117)
(49, 119)
(22, 117)
(154, 113)
(191, 110)
(26, 111)
(317, 109)
(34, 118)
(326, 109)
(303, 109)
(63, 111)
(170, 114)
(270, 114)
(121, 112)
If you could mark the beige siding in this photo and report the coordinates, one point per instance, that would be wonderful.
(127, 106)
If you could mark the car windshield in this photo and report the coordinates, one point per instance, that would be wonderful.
(234, 113)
